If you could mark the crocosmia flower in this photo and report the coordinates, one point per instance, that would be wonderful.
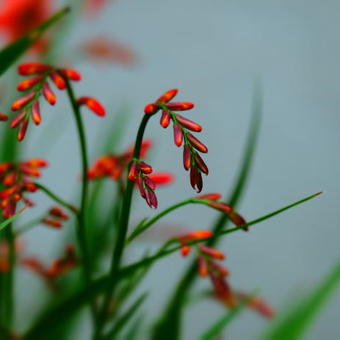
(16, 179)
(38, 85)
(181, 126)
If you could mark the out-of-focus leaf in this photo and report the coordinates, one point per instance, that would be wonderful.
(64, 309)
(126, 317)
(218, 326)
(295, 322)
(133, 332)
(13, 51)
(8, 221)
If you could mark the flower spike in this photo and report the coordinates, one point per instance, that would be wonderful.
(191, 159)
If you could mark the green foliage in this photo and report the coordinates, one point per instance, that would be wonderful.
(294, 323)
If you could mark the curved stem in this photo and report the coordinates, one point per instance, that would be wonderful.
(122, 231)
(157, 217)
(57, 199)
(81, 225)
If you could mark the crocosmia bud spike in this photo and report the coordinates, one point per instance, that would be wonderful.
(93, 104)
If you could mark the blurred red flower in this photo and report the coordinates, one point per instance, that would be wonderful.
(17, 17)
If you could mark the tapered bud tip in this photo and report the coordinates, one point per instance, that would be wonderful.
(167, 96)
(212, 196)
(162, 178)
(3, 117)
(150, 109)
(93, 104)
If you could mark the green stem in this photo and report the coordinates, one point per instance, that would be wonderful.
(122, 231)
(157, 217)
(29, 225)
(81, 230)
(9, 296)
(57, 199)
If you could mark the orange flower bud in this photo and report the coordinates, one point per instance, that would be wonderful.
(161, 178)
(29, 83)
(22, 129)
(58, 80)
(23, 101)
(185, 251)
(212, 196)
(189, 124)
(150, 109)
(27, 69)
(133, 173)
(196, 143)
(58, 212)
(49, 94)
(17, 119)
(186, 157)
(93, 104)
(167, 96)
(165, 119)
(52, 222)
(202, 266)
(70, 74)
(212, 252)
(145, 168)
(36, 116)
(180, 106)
(3, 117)
(178, 135)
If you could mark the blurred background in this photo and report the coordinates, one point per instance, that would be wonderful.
(213, 52)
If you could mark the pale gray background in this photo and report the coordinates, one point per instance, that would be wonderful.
(211, 51)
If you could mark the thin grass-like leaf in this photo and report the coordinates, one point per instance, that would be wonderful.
(66, 308)
(13, 51)
(8, 221)
(295, 322)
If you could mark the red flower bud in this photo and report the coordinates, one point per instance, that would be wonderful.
(133, 172)
(185, 251)
(200, 163)
(211, 196)
(36, 116)
(196, 143)
(93, 104)
(58, 80)
(70, 74)
(167, 96)
(22, 129)
(178, 135)
(196, 179)
(52, 223)
(150, 109)
(180, 106)
(58, 212)
(189, 124)
(186, 157)
(17, 119)
(49, 94)
(27, 69)
(212, 252)
(165, 119)
(145, 168)
(202, 266)
(161, 178)
(23, 101)
(3, 117)
(29, 83)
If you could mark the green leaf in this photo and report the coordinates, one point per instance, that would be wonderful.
(13, 51)
(126, 317)
(217, 328)
(64, 309)
(8, 221)
(295, 322)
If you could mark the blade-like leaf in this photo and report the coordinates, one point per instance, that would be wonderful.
(217, 328)
(120, 323)
(8, 221)
(64, 309)
(12, 52)
(293, 324)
